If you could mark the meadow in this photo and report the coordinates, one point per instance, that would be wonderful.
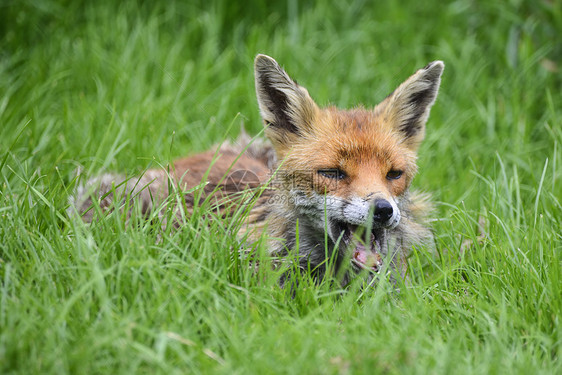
(123, 86)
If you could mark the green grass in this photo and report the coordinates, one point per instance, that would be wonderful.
(120, 86)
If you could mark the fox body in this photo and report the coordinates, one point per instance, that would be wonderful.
(339, 179)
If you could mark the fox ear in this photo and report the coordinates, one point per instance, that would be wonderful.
(407, 108)
(286, 107)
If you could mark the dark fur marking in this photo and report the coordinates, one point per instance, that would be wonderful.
(410, 128)
(361, 152)
(420, 100)
(278, 105)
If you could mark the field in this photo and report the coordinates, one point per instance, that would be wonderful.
(120, 86)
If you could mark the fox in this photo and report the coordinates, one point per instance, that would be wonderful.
(337, 197)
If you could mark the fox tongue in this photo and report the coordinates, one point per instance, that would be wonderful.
(366, 257)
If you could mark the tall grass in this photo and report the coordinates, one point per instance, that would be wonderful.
(124, 86)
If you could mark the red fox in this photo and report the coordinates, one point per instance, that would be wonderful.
(339, 179)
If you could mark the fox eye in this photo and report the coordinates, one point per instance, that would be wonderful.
(393, 175)
(335, 174)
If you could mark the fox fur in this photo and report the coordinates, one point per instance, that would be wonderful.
(338, 180)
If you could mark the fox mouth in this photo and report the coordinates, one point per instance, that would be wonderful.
(364, 245)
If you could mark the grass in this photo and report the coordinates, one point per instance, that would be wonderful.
(123, 86)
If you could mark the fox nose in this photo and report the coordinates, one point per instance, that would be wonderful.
(383, 211)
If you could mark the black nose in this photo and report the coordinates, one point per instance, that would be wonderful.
(383, 211)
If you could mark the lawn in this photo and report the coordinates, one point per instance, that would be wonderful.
(120, 86)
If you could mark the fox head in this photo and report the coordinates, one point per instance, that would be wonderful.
(347, 172)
